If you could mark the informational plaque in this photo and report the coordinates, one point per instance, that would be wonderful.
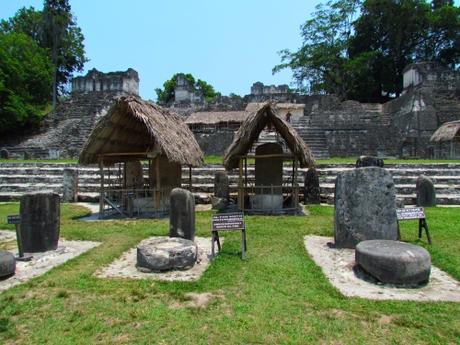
(13, 219)
(228, 221)
(410, 213)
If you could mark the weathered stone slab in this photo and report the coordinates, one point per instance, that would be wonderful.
(221, 196)
(162, 254)
(394, 262)
(7, 264)
(4, 154)
(70, 185)
(425, 191)
(311, 187)
(40, 216)
(364, 207)
(182, 214)
(369, 161)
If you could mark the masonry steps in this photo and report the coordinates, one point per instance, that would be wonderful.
(313, 136)
(16, 179)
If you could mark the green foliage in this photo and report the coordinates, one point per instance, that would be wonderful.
(55, 30)
(166, 95)
(358, 49)
(25, 81)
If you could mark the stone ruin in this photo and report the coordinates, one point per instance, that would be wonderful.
(365, 220)
(399, 128)
(179, 251)
(38, 230)
(63, 133)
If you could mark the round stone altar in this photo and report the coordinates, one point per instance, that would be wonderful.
(7, 264)
(163, 254)
(394, 262)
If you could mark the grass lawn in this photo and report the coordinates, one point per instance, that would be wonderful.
(276, 296)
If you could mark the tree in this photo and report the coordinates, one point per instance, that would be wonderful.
(166, 95)
(25, 81)
(318, 65)
(64, 40)
(364, 58)
(55, 30)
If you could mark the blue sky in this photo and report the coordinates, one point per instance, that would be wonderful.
(229, 44)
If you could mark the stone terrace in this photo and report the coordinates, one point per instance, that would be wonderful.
(16, 179)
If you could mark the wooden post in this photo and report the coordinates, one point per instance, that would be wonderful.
(245, 177)
(295, 184)
(240, 186)
(158, 184)
(101, 192)
(190, 177)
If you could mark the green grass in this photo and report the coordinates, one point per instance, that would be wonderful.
(49, 161)
(276, 296)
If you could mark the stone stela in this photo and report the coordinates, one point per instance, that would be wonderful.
(228, 222)
(413, 213)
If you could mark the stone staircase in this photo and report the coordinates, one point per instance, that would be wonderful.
(63, 136)
(313, 136)
(16, 179)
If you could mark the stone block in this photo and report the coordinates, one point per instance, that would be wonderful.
(425, 191)
(40, 221)
(369, 161)
(7, 264)
(162, 254)
(311, 187)
(394, 262)
(4, 154)
(182, 214)
(70, 185)
(221, 185)
(365, 207)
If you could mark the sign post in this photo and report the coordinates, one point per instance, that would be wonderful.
(228, 222)
(16, 220)
(415, 213)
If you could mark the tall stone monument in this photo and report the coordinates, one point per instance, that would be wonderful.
(425, 191)
(364, 207)
(311, 187)
(182, 214)
(40, 221)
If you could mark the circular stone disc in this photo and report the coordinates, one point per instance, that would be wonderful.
(394, 262)
(7, 264)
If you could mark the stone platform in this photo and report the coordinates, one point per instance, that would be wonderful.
(338, 265)
(125, 266)
(43, 262)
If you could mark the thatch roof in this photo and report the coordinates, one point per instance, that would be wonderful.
(254, 124)
(447, 132)
(215, 117)
(142, 129)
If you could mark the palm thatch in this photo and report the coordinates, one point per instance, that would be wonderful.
(134, 128)
(216, 117)
(254, 124)
(448, 131)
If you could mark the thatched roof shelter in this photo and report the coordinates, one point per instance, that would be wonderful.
(134, 129)
(448, 131)
(254, 124)
(216, 117)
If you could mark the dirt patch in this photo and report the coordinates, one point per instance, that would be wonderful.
(337, 265)
(385, 320)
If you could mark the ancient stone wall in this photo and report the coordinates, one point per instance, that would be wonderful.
(96, 81)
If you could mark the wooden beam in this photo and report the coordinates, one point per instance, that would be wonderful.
(101, 191)
(158, 184)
